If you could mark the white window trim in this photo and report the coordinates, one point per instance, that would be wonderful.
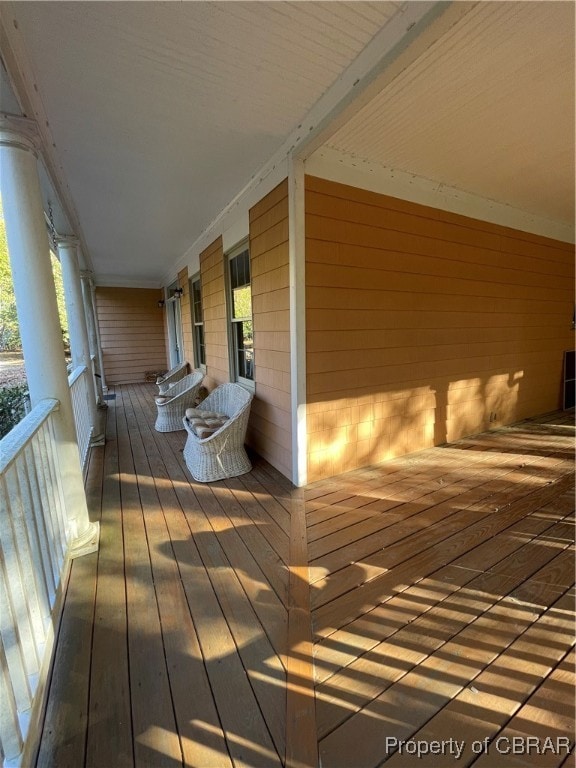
(197, 278)
(174, 328)
(249, 384)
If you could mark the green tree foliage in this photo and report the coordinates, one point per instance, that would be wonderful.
(9, 329)
(59, 285)
(14, 405)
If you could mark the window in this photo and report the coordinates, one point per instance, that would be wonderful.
(198, 323)
(240, 297)
(174, 318)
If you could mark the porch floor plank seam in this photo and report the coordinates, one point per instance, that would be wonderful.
(248, 623)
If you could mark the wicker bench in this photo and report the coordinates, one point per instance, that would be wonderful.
(172, 405)
(221, 454)
(171, 377)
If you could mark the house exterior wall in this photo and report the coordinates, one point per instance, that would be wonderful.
(214, 304)
(270, 423)
(424, 326)
(131, 332)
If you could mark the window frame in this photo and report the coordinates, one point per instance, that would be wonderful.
(174, 325)
(233, 349)
(198, 336)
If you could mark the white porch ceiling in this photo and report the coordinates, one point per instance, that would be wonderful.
(161, 112)
(488, 109)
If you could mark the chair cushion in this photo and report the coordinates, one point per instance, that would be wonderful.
(205, 423)
(193, 413)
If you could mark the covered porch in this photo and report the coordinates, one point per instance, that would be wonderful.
(438, 608)
(390, 189)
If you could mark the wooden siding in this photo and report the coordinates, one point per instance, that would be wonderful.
(214, 301)
(131, 332)
(424, 326)
(270, 424)
(186, 313)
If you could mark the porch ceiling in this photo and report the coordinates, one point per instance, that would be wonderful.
(488, 109)
(159, 114)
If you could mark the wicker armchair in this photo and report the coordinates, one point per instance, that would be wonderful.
(171, 377)
(172, 405)
(222, 453)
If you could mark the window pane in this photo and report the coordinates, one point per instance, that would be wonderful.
(200, 346)
(240, 270)
(244, 348)
(245, 268)
(241, 302)
(197, 301)
(241, 311)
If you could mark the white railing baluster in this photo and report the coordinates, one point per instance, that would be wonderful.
(34, 534)
(42, 450)
(33, 544)
(54, 479)
(12, 633)
(44, 535)
(10, 732)
(80, 393)
(20, 586)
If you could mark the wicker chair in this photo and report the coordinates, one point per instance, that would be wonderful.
(222, 454)
(172, 405)
(171, 377)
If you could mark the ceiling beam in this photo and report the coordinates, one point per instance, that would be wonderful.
(399, 43)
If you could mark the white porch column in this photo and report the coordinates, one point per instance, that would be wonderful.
(38, 313)
(94, 334)
(79, 345)
(297, 246)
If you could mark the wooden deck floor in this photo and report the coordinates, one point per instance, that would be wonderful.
(429, 600)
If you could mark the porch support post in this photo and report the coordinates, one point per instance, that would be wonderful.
(37, 309)
(79, 345)
(94, 334)
(297, 248)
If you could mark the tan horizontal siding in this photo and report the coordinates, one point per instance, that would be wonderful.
(423, 326)
(131, 333)
(373, 268)
(214, 304)
(338, 298)
(524, 243)
(132, 319)
(270, 423)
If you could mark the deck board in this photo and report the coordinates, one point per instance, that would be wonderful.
(247, 623)
(229, 635)
(64, 734)
(155, 734)
(481, 710)
(109, 683)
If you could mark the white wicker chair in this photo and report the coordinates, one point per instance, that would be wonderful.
(171, 377)
(172, 405)
(222, 454)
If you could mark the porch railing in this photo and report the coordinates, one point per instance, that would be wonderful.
(80, 392)
(33, 541)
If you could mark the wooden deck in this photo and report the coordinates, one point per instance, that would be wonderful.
(429, 600)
